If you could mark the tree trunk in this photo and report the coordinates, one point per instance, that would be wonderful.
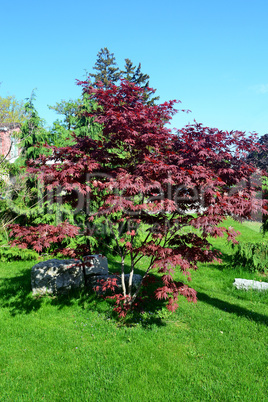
(123, 275)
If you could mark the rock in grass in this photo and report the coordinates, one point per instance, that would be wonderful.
(59, 276)
(247, 284)
(95, 264)
(56, 276)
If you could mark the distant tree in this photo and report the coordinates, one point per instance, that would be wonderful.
(69, 110)
(78, 115)
(11, 110)
(134, 74)
(106, 68)
(33, 135)
(107, 71)
(78, 120)
(259, 158)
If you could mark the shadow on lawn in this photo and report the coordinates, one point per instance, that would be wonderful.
(15, 294)
(227, 260)
(149, 313)
(233, 308)
(16, 297)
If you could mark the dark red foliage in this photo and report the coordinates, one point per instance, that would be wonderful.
(178, 187)
(41, 236)
(108, 284)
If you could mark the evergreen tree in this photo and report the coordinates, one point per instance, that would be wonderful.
(78, 119)
(107, 71)
(134, 74)
(78, 115)
(260, 158)
(86, 126)
(33, 135)
(106, 68)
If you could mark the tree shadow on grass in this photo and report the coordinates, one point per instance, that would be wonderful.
(149, 312)
(230, 261)
(227, 261)
(16, 296)
(233, 308)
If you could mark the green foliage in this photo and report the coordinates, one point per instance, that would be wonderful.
(85, 124)
(134, 74)
(259, 158)
(11, 110)
(69, 110)
(8, 253)
(106, 69)
(252, 256)
(78, 120)
(15, 196)
(265, 197)
(60, 134)
(5, 168)
(20, 197)
(33, 135)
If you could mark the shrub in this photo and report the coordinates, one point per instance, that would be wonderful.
(252, 256)
(8, 253)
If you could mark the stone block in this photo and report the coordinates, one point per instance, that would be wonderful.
(56, 276)
(247, 284)
(95, 264)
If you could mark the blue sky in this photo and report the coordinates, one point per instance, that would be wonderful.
(211, 55)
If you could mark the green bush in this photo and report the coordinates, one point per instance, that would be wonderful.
(8, 253)
(252, 256)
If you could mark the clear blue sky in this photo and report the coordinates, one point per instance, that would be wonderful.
(212, 55)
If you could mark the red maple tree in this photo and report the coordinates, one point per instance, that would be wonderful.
(161, 194)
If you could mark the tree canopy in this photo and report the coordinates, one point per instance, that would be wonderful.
(11, 110)
(138, 188)
(260, 157)
(106, 68)
(33, 135)
(109, 72)
(69, 110)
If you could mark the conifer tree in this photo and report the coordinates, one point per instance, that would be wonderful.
(107, 71)
(260, 158)
(134, 74)
(33, 135)
(106, 68)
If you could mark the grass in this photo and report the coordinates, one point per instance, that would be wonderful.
(71, 349)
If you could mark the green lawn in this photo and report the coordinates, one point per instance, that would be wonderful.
(70, 349)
